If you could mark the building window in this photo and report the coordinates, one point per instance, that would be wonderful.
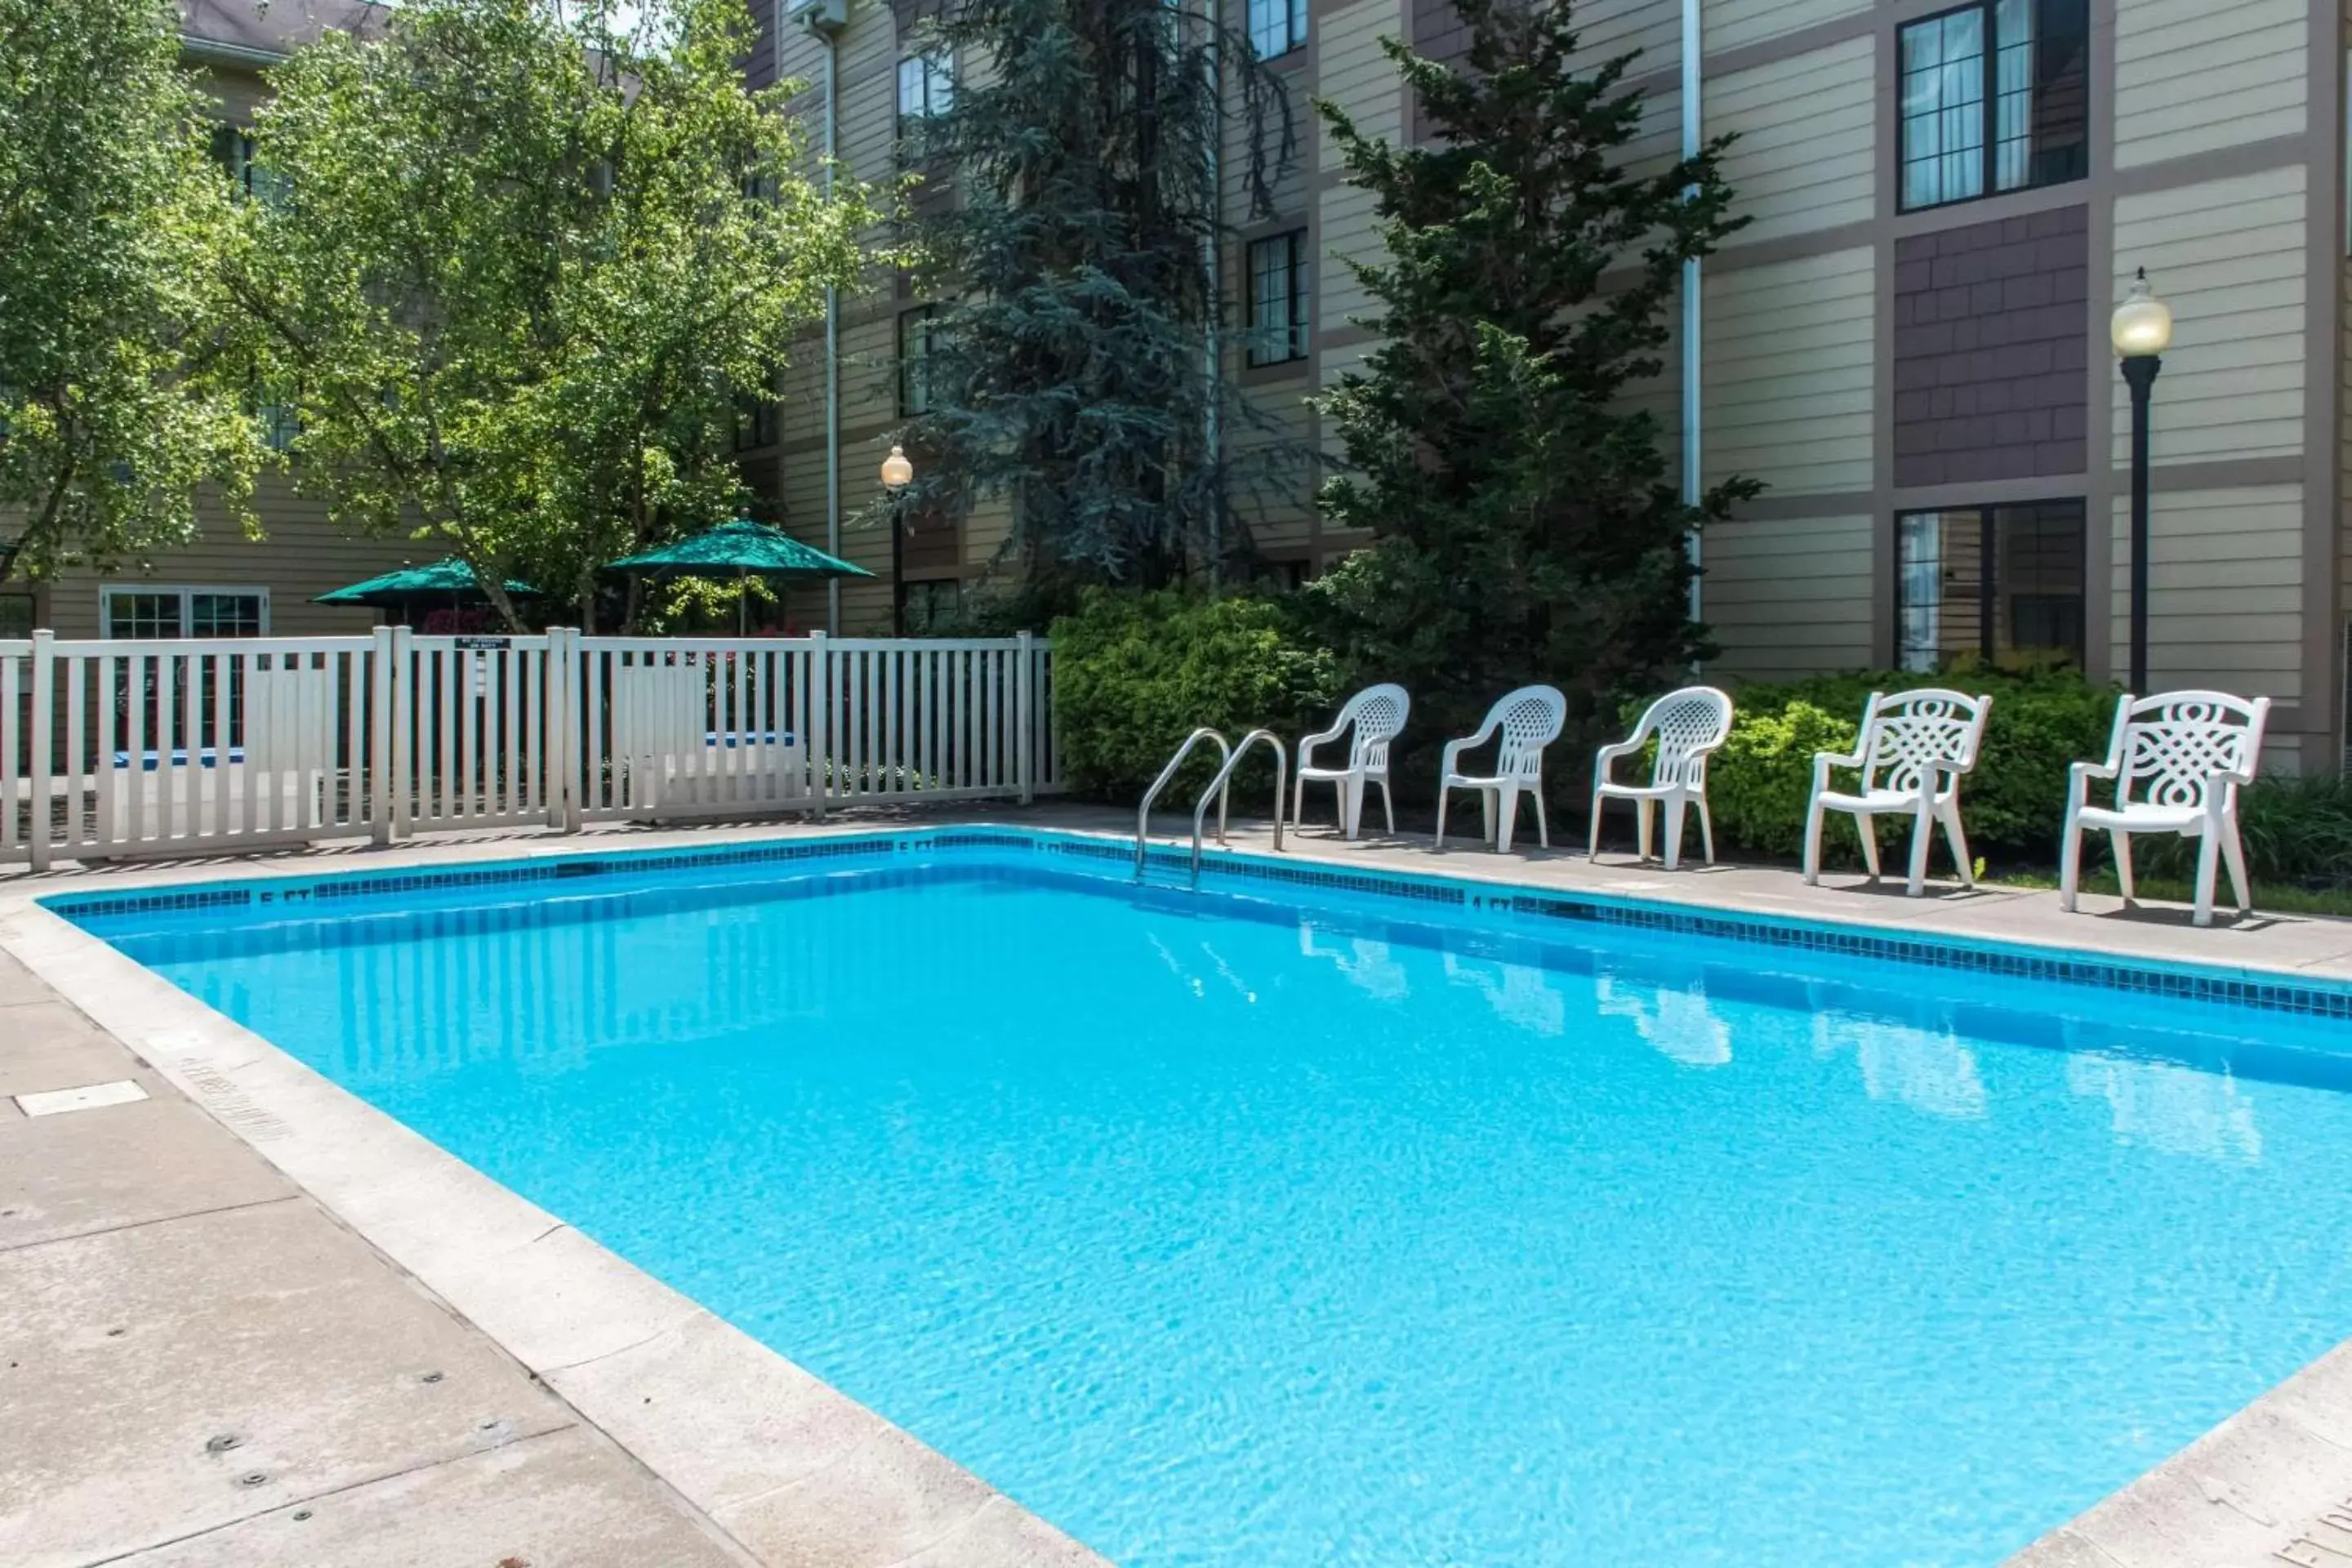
(1277, 26)
(280, 416)
(15, 615)
(2001, 583)
(925, 88)
(233, 151)
(1995, 97)
(929, 604)
(1279, 299)
(918, 334)
(754, 422)
(145, 612)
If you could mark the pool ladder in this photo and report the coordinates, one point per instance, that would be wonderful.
(1219, 789)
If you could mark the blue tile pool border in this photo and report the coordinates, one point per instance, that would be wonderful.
(2236, 988)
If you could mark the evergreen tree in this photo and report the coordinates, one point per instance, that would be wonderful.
(1527, 524)
(1070, 374)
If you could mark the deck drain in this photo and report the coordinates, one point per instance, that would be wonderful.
(430, 1377)
(300, 1514)
(253, 1479)
(222, 1444)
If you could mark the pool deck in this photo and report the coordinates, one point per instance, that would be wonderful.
(250, 1321)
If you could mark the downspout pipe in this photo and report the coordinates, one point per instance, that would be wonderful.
(1692, 120)
(827, 35)
(1213, 349)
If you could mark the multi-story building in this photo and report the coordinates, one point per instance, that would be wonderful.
(223, 583)
(1908, 344)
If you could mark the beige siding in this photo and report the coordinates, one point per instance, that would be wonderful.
(1348, 229)
(2227, 256)
(2192, 75)
(301, 555)
(2225, 591)
(1788, 373)
(1807, 128)
(1354, 72)
(1608, 28)
(1788, 599)
(1729, 23)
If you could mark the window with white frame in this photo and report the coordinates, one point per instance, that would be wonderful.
(1280, 299)
(144, 611)
(1277, 26)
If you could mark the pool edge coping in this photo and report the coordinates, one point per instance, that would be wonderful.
(2270, 1484)
(738, 1430)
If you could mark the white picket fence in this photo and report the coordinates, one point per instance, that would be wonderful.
(120, 748)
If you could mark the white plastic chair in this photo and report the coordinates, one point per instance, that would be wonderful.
(2187, 753)
(1529, 719)
(1689, 725)
(1378, 715)
(1915, 749)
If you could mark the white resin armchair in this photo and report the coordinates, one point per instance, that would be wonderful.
(2186, 755)
(1529, 720)
(1690, 725)
(1377, 714)
(1915, 749)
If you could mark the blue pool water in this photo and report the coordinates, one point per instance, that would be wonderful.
(1289, 1226)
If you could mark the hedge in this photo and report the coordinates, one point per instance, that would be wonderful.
(2014, 804)
(1133, 673)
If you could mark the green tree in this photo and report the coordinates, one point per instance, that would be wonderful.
(113, 407)
(530, 259)
(1071, 375)
(1526, 521)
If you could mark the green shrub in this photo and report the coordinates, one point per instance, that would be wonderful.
(2295, 830)
(1134, 673)
(2014, 804)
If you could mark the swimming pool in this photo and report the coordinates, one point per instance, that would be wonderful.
(1329, 1218)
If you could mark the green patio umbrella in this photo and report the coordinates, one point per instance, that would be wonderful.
(449, 578)
(745, 548)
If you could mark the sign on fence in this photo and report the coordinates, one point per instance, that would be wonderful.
(114, 748)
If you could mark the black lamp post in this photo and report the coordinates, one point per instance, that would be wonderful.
(2141, 329)
(897, 475)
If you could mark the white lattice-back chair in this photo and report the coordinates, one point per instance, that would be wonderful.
(1688, 725)
(2184, 756)
(1377, 715)
(1528, 719)
(1913, 750)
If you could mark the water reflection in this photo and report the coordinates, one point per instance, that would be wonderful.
(1676, 1020)
(1521, 995)
(2178, 1109)
(1928, 1069)
(1369, 965)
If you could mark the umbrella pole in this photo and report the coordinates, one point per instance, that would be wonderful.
(742, 600)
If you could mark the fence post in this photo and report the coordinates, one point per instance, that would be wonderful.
(402, 758)
(559, 710)
(821, 710)
(1025, 716)
(43, 739)
(380, 730)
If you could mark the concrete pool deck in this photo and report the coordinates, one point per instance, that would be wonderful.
(248, 1319)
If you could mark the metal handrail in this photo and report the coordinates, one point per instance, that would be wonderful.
(1219, 787)
(1143, 812)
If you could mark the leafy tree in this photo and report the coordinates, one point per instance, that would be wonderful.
(1070, 373)
(1526, 521)
(530, 256)
(113, 409)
